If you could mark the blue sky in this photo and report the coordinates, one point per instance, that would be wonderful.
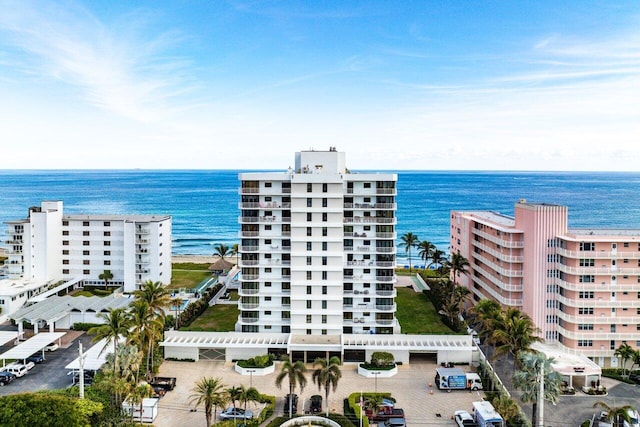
(493, 85)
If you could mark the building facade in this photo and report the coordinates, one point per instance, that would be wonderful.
(317, 252)
(50, 246)
(581, 287)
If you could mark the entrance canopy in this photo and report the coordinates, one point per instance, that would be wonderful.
(31, 346)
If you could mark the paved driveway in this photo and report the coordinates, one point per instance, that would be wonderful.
(409, 387)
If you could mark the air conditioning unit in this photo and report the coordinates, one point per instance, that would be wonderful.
(366, 292)
(356, 292)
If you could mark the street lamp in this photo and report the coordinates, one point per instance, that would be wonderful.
(375, 375)
(251, 371)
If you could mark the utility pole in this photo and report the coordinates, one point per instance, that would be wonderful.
(541, 397)
(81, 360)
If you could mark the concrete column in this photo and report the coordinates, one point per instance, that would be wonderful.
(35, 328)
(52, 327)
(20, 328)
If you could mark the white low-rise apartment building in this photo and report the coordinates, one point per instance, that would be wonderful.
(49, 246)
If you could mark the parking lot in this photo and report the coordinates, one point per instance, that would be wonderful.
(51, 374)
(410, 387)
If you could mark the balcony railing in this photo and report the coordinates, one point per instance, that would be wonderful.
(385, 321)
(499, 241)
(250, 190)
(385, 278)
(249, 233)
(250, 276)
(142, 231)
(385, 293)
(249, 291)
(249, 319)
(386, 307)
(248, 306)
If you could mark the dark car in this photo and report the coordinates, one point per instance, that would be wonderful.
(635, 378)
(293, 398)
(6, 377)
(36, 358)
(316, 403)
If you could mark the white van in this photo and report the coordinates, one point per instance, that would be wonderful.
(16, 369)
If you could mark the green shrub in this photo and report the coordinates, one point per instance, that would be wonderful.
(382, 358)
(82, 326)
(261, 361)
(353, 410)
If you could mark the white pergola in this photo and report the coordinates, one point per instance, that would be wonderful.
(31, 346)
(6, 336)
(223, 339)
(425, 343)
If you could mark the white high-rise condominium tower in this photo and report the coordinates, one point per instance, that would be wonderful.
(317, 251)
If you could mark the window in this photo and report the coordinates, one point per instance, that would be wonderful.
(86, 271)
(309, 304)
(324, 202)
(309, 275)
(586, 295)
(107, 243)
(65, 271)
(267, 313)
(367, 185)
(324, 304)
(107, 233)
(309, 318)
(85, 223)
(66, 243)
(324, 246)
(324, 332)
(309, 202)
(585, 343)
(108, 224)
(324, 275)
(585, 310)
(325, 188)
(309, 217)
(267, 228)
(587, 246)
(107, 262)
(267, 270)
(324, 318)
(587, 262)
(85, 252)
(267, 185)
(267, 241)
(324, 289)
(308, 260)
(66, 252)
(324, 260)
(308, 290)
(309, 246)
(65, 223)
(85, 233)
(65, 232)
(65, 261)
(85, 243)
(309, 187)
(309, 231)
(324, 217)
(86, 262)
(585, 327)
(107, 253)
(324, 231)
(267, 285)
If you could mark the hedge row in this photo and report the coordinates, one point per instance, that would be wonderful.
(196, 308)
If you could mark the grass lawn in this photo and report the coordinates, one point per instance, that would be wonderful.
(85, 294)
(184, 278)
(219, 318)
(417, 315)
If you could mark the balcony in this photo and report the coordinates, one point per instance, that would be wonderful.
(385, 278)
(142, 231)
(249, 319)
(498, 254)
(388, 191)
(142, 262)
(386, 235)
(613, 270)
(498, 241)
(598, 302)
(14, 252)
(598, 286)
(247, 277)
(249, 233)
(142, 271)
(385, 322)
(249, 248)
(619, 254)
(248, 291)
(385, 250)
(386, 307)
(248, 306)
(142, 241)
(248, 262)
(250, 190)
(13, 242)
(385, 293)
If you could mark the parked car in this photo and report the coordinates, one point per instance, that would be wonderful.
(88, 377)
(463, 419)
(30, 365)
(294, 403)
(16, 369)
(6, 377)
(316, 403)
(393, 422)
(236, 414)
(35, 358)
(52, 347)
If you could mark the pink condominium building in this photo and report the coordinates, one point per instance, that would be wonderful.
(581, 287)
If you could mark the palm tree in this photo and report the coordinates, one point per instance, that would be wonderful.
(116, 326)
(176, 303)
(409, 240)
(426, 248)
(514, 332)
(295, 373)
(624, 352)
(438, 259)
(121, 370)
(527, 380)
(146, 329)
(208, 392)
(158, 300)
(250, 394)
(457, 265)
(137, 396)
(506, 406)
(452, 305)
(235, 395)
(235, 251)
(617, 415)
(484, 316)
(222, 250)
(106, 276)
(327, 375)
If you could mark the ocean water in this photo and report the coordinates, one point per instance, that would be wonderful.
(204, 203)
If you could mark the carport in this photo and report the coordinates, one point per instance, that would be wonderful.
(94, 357)
(6, 336)
(31, 346)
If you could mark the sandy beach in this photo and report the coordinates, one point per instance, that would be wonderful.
(199, 259)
